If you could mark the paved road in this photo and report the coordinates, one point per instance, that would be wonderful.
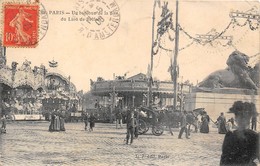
(30, 143)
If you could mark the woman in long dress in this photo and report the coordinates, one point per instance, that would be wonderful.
(222, 124)
(241, 146)
(62, 121)
(92, 119)
(51, 127)
(57, 123)
(205, 123)
(3, 124)
(18, 23)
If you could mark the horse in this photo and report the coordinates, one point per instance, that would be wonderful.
(173, 119)
(192, 120)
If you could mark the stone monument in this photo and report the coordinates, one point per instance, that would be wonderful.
(218, 91)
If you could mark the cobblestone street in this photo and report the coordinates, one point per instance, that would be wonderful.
(30, 143)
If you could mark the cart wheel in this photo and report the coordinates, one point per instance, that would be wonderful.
(141, 126)
(157, 130)
(147, 127)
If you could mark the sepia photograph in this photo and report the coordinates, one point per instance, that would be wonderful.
(131, 83)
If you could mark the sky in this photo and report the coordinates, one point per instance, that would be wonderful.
(128, 49)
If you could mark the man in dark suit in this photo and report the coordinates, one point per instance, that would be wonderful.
(183, 125)
(131, 126)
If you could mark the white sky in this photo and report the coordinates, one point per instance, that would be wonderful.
(128, 49)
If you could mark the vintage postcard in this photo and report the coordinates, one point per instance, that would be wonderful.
(119, 82)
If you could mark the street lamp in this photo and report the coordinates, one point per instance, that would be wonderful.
(133, 101)
(111, 108)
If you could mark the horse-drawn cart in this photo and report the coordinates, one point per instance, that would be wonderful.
(148, 118)
(159, 120)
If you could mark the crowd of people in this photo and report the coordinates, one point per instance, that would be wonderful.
(224, 126)
(241, 141)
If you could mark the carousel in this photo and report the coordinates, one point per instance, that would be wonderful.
(28, 93)
(19, 90)
(59, 93)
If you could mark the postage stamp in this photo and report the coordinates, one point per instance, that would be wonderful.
(20, 25)
(100, 18)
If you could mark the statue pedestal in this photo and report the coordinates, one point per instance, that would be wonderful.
(219, 100)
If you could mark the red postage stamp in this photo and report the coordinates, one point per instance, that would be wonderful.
(20, 27)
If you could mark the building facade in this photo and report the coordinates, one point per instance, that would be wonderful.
(132, 92)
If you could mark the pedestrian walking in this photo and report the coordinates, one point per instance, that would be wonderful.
(86, 119)
(204, 128)
(92, 120)
(3, 122)
(56, 122)
(51, 127)
(168, 119)
(229, 125)
(221, 121)
(119, 118)
(232, 121)
(241, 146)
(253, 122)
(131, 127)
(136, 124)
(183, 125)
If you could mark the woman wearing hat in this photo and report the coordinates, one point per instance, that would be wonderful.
(204, 128)
(241, 147)
(221, 121)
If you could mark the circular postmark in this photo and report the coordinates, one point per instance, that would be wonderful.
(43, 22)
(99, 18)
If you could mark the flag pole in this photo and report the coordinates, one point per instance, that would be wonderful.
(149, 96)
(175, 55)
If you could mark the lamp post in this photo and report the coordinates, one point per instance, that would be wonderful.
(181, 98)
(150, 69)
(113, 104)
(83, 101)
(133, 101)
